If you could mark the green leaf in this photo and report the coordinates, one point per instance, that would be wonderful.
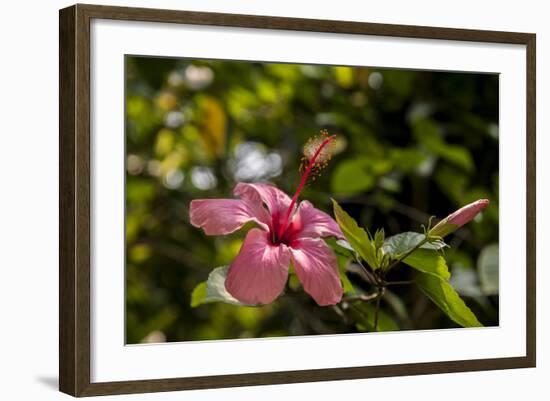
(379, 238)
(199, 294)
(430, 262)
(428, 133)
(406, 159)
(340, 247)
(487, 265)
(356, 236)
(344, 252)
(402, 243)
(213, 290)
(378, 241)
(342, 262)
(342, 243)
(352, 177)
(447, 299)
(358, 175)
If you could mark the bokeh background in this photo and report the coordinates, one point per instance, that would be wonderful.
(410, 144)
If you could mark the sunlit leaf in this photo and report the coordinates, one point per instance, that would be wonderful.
(446, 298)
(428, 261)
(213, 290)
(356, 236)
(199, 295)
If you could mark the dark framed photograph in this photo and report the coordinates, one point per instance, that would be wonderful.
(250, 200)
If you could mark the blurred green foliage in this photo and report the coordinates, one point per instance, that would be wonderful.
(410, 144)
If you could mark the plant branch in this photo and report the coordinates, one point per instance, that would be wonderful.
(362, 297)
(372, 278)
(404, 282)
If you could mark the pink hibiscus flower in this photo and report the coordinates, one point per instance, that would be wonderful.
(286, 232)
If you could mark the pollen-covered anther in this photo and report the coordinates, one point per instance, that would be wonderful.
(320, 147)
(317, 154)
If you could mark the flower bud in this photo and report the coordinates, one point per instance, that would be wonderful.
(457, 219)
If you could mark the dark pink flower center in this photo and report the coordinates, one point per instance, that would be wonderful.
(288, 235)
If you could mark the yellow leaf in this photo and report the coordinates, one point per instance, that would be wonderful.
(212, 125)
(167, 101)
(164, 142)
(344, 76)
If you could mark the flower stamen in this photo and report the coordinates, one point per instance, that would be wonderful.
(317, 154)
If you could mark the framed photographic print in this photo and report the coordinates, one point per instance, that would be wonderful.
(251, 200)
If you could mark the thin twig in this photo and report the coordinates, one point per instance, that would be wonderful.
(403, 282)
(373, 279)
(361, 297)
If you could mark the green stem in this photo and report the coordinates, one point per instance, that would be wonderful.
(372, 278)
(378, 298)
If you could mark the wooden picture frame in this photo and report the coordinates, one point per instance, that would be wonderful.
(74, 204)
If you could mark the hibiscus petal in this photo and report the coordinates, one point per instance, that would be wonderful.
(259, 272)
(224, 216)
(314, 223)
(275, 199)
(315, 266)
